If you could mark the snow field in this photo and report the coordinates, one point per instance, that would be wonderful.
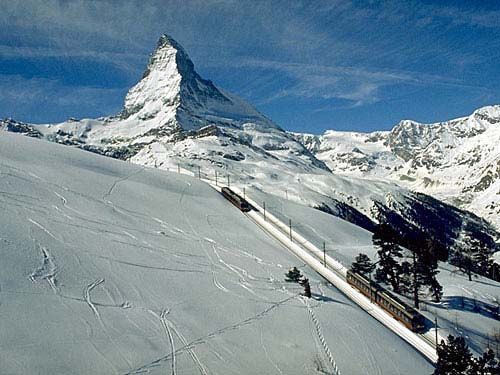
(110, 268)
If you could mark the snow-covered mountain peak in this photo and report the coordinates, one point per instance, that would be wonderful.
(160, 86)
(168, 52)
(173, 94)
(456, 160)
(487, 116)
(171, 107)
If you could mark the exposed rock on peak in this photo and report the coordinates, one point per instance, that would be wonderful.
(457, 160)
(174, 94)
(170, 108)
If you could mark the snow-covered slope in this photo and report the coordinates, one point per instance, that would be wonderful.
(457, 161)
(112, 268)
(468, 307)
(174, 119)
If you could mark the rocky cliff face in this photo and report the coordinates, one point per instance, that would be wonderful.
(457, 161)
(173, 93)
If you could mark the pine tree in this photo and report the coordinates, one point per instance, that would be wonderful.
(293, 275)
(362, 264)
(388, 251)
(487, 364)
(426, 268)
(473, 257)
(454, 357)
(406, 279)
(307, 287)
(483, 260)
(436, 290)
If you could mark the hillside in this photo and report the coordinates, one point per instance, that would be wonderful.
(112, 268)
(172, 118)
(457, 161)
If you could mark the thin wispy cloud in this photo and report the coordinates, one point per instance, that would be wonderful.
(52, 96)
(302, 54)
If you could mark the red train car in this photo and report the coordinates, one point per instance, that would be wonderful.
(400, 310)
(235, 199)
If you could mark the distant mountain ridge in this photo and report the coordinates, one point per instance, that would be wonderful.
(457, 161)
(172, 118)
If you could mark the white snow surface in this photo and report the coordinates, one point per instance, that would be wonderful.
(467, 306)
(112, 268)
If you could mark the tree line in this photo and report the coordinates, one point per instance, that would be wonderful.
(407, 272)
(455, 358)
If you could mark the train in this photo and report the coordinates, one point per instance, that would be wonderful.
(235, 199)
(400, 310)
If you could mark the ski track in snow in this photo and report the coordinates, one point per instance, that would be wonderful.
(236, 247)
(319, 332)
(116, 182)
(241, 278)
(183, 192)
(92, 305)
(44, 229)
(191, 351)
(367, 352)
(266, 353)
(47, 271)
(86, 296)
(241, 273)
(165, 324)
(217, 333)
(133, 264)
(213, 266)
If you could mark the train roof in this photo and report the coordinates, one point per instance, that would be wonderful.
(389, 294)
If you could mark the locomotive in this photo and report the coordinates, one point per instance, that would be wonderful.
(400, 310)
(235, 199)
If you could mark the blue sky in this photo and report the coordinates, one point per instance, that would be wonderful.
(308, 65)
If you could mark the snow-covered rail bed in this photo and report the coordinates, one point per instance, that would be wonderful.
(377, 312)
(309, 253)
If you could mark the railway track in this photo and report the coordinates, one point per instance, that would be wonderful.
(335, 273)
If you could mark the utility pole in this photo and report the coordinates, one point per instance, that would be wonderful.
(216, 179)
(286, 194)
(415, 280)
(264, 205)
(436, 329)
(199, 172)
(324, 254)
(244, 194)
(290, 226)
(370, 277)
(228, 181)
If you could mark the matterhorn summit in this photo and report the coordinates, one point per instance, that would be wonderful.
(172, 93)
(170, 107)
